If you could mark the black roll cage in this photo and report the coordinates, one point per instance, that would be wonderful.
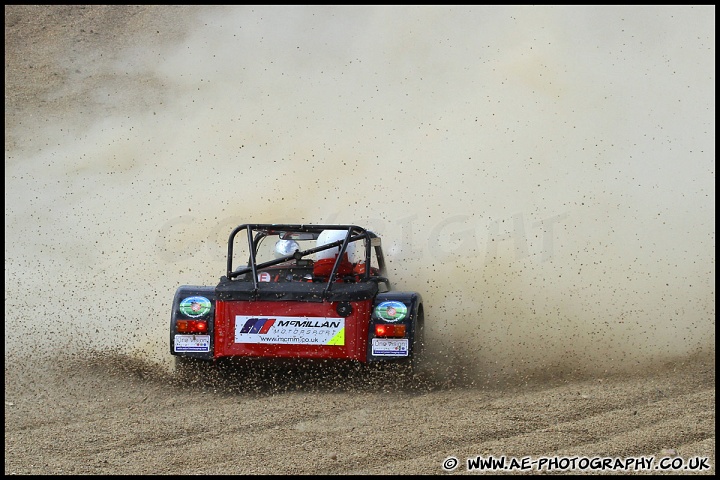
(258, 231)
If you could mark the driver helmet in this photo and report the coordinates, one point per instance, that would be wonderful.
(330, 236)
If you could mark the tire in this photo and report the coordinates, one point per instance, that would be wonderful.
(410, 372)
(417, 361)
(193, 370)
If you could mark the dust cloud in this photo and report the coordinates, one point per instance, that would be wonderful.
(543, 176)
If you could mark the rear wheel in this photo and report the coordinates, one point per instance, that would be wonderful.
(411, 371)
(417, 361)
(193, 370)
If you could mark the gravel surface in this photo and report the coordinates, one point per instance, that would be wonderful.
(77, 280)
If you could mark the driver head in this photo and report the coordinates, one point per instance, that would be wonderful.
(330, 236)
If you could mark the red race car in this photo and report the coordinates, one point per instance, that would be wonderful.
(300, 292)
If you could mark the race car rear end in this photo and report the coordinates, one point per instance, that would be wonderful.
(296, 305)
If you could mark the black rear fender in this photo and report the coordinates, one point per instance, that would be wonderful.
(396, 308)
(196, 305)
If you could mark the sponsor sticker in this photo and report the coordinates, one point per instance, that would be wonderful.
(392, 311)
(384, 347)
(192, 343)
(290, 330)
(195, 306)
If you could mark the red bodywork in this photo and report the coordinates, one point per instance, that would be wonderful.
(355, 333)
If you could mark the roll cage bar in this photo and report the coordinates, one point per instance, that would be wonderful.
(258, 231)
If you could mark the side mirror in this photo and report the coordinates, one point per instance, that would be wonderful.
(283, 248)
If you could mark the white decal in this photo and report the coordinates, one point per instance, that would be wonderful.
(289, 330)
(385, 347)
(192, 343)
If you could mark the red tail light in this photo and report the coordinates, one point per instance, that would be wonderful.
(192, 326)
(388, 330)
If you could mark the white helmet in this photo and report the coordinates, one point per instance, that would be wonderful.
(330, 236)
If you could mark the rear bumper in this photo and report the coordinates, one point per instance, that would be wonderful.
(286, 329)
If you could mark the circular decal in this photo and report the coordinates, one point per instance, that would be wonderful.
(195, 306)
(392, 311)
(263, 277)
